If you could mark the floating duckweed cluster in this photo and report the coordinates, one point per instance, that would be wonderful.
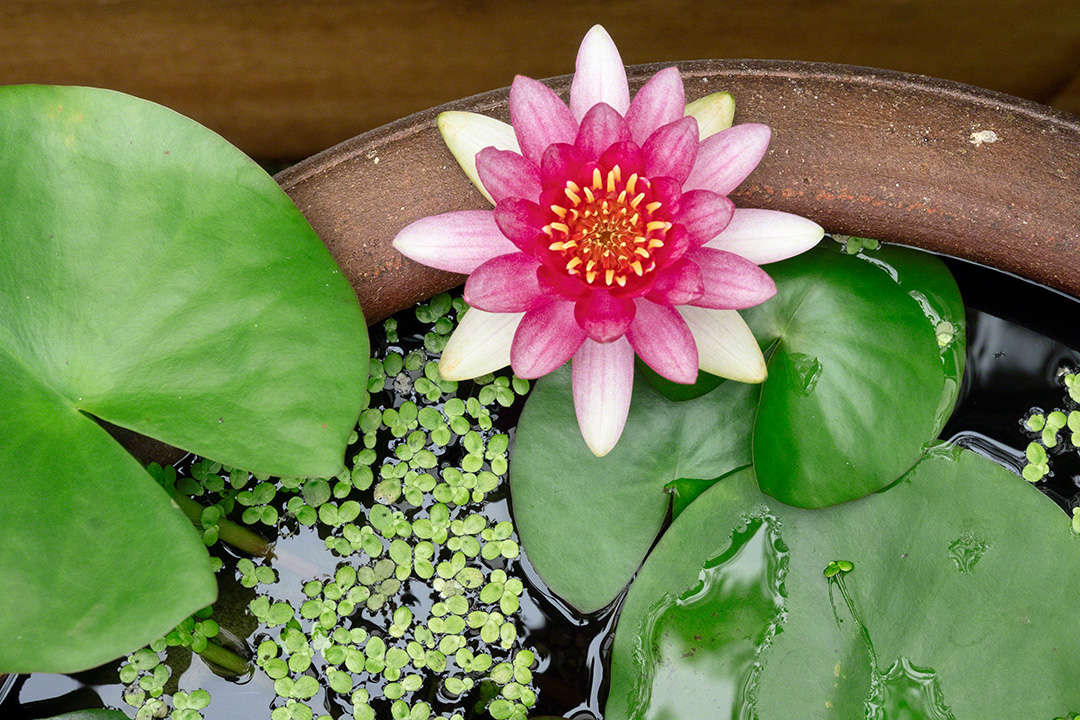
(1055, 432)
(853, 245)
(415, 612)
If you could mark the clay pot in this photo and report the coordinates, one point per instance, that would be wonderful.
(903, 158)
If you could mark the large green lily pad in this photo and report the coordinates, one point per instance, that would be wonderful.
(586, 522)
(959, 602)
(858, 384)
(153, 277)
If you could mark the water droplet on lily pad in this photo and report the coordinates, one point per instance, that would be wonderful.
(966, 551)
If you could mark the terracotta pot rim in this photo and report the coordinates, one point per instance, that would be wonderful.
(906, 158)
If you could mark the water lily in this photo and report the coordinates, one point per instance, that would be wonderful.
(612, 235)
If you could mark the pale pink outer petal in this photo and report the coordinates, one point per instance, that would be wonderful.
(540, 118)
(601, 128)
(713, 113)
(479, 345)
(603, 380)
(466, 134)
(725, 159)
(663, 340)
(725, 344)
(599, 75)
(765, 236)
(659, 102)
(671, 150)
(507, 174)
(457, 241)
(505, 284)
(546, 338)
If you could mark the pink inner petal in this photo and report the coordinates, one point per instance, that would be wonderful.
(507, 174)
(627, 155)
(546, 338)
(726, 158)
(663, 340)
(671, 150)
(554, 282)
(539, 117)
(604, 318)
(506, 284)
(603, 380)
(457, 242)
(679, 284)
(704, 214)
(559, 163)
(522, 221)
(599, 75)
(731, 281)
(659, 102)
(601, 127)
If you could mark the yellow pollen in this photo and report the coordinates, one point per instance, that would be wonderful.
(654, 225)
(609, 277)
(654, 206)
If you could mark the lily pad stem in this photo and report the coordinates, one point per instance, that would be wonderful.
(236, 535)
(225, 659)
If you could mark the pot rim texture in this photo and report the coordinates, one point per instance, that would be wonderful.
(931, 163)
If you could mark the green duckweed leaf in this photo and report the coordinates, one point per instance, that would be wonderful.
(858, 384)
(587, 522)
(153, 277)
(961, 581)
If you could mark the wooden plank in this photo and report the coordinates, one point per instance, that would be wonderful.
(286, 78)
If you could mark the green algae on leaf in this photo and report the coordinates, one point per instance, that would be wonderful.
(882, 630)
(155, 278)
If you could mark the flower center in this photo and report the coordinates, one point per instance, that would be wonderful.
(608, 231)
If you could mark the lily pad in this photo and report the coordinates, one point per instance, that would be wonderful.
(153, 277)
(858, 383)
(586, 522)
(949, 595)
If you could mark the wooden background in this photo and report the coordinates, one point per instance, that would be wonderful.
(284, 79)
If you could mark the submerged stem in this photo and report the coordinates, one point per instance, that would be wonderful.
(236, 535)
(225, 659)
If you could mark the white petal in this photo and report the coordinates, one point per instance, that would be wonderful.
(600, 75)
(603, 379)
(713, 113)
(467, 133)
(765, 236)
(726, 346)
(479, 345)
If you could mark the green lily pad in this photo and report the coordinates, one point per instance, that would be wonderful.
(949, 595)
(586, 522)
(153, 277)
(858, 383)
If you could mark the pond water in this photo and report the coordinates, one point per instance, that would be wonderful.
(1020, 338)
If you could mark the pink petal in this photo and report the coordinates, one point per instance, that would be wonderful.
(479, 345)
(704, 214)
(604, 318)
(725, 159)
(627, 155)
(555, 282)
(507, 174)
(663, 340)
(601, 127)
(458, 241)
(726, 346)
(506, 284)
(603, 380)
(599, 76)
(679, 284)
(659, 102)
(765, 236)
(521, 221)
(671, 150)
(731, 281)
(539, 117)
(546, 338)
(466, 134)
(559, 163)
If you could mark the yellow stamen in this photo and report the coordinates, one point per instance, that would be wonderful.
(621, 280)
(654, 243)
(574, 262)
(654, 206)
(558, 210)
(611, 181)
(654, 225)
(570, 193)
(556, 246)
(589, 194)
(637, 200)
(597, 179)
(642, 252)
(636, 265)
(563, 227)
(631, 183)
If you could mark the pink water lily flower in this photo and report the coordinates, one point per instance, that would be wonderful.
(612, 234)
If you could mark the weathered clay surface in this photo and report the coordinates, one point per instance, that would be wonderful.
(903, 158)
